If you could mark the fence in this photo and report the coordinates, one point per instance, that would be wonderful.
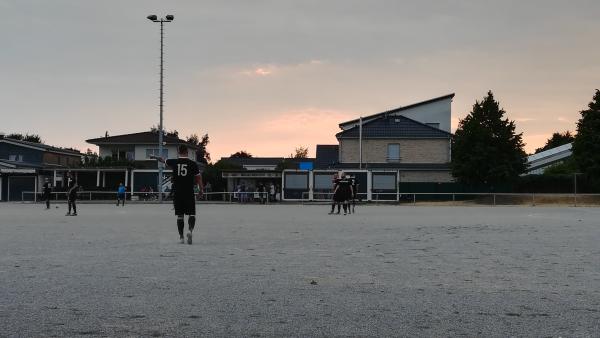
(145, 196)
(461, 198)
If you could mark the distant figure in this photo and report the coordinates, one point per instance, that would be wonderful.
(354, 186)
(335, 197)
(207, 190)
(272, 192)
(72, 188)
(121, 194)
(342, 193)
(261, 193)
(47, 193)
(186, 175)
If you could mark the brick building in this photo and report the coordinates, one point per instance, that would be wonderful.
(410, 144)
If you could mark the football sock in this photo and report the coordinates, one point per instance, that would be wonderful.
(191, 222)
(180, 225)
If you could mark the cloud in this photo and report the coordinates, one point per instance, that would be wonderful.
(278, 134)
(272, 69)
(260, 71)
(563, 119)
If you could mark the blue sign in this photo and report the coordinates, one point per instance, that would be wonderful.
(306, 166)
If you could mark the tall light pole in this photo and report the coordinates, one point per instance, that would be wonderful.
(167, 18)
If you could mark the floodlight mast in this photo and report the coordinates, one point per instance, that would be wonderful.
(154, 18)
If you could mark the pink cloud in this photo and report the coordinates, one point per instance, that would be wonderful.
(280, 134)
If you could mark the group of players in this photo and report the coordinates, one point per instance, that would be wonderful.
(345, 190)
(186, 176)
(72, 188)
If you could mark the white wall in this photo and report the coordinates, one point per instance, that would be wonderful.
(435, 112)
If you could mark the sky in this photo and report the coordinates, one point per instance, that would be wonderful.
(269, 76)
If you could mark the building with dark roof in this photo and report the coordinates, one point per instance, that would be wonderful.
(23, 165)
(404, 145)
(139, 146)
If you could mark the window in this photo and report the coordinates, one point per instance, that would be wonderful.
(15, 158)
(323, 181)
(435, 125)
(296, 181)
(384, 181)
(393, 152)
(154, 151)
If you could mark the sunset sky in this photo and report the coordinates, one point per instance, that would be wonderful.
(268, 76)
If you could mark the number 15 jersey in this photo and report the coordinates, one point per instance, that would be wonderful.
(184, 176)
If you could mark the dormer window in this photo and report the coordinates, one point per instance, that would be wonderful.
(15, 158)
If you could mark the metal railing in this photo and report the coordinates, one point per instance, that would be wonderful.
(473, 198)
(151, 196)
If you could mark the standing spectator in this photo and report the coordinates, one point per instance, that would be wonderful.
(261, 193)
(207, 190)
(47, 193)
(272, 192)
(121, 194)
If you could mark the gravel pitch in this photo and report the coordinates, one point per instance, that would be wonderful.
(293, 270)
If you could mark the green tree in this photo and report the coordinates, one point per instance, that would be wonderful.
(241, 154)
(586, 146)
(171, 133)
(567, 167)
(34, 138)
(485, 147)
(557, 140)
(213, 173)
(300, 152)
(202, 154)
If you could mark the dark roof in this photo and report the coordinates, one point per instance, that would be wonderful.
(394, 127)
(399, 109)
(146, 137)
(327, 155)
(395, 166)
(241, 161)
(266, 161)
(43, 147)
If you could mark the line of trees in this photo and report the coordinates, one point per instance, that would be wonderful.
(486, 150)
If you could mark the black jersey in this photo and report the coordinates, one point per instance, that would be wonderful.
(184, 175)
(47, 188)
(72, 187)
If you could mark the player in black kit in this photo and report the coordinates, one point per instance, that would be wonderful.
(186, 175)
(47, 192)
(72, 188)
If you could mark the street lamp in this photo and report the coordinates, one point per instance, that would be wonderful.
(167, 18)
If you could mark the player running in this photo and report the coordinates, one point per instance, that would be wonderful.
(46, 193)
(71, 194)
(186, 175)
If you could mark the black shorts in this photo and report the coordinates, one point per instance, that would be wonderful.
(185, 205)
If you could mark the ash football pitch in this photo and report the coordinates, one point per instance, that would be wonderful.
(292, 270)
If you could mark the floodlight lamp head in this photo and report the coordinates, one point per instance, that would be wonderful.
(170, 17)
(152, 17)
